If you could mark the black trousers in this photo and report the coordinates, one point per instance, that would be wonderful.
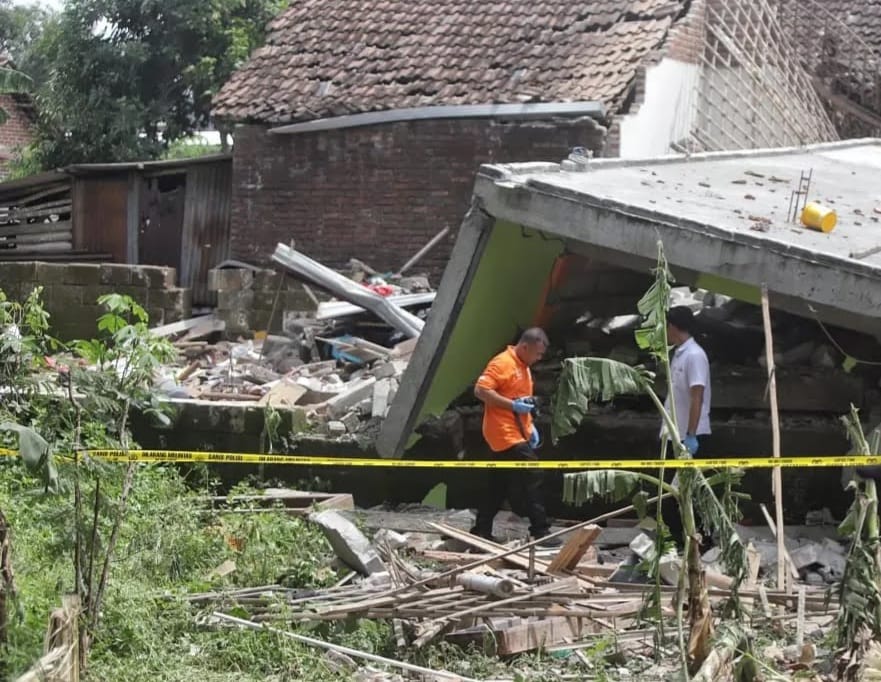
(522, 488)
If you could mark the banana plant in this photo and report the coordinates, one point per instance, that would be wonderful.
(585, 380)
(859, 593)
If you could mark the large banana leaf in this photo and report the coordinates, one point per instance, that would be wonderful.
(584, 380)
(36, 454)
(652, 334)
(11, 82)
(611, 485)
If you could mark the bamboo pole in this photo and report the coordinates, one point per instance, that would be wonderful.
(354, 653)
(776, 475)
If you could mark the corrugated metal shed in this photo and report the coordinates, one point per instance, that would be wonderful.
(174, 213)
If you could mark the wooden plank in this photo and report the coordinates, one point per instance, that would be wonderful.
(434, 626)
(541, 566)
(50, 246)
(777, 473)
(41, 211)
(574, 549)
(459, 557)
(18, 229)
(63, 186)
(177, 327)
(38, 238)
(541, 634)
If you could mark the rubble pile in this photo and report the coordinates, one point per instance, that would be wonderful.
(436, 581)
(339, 365)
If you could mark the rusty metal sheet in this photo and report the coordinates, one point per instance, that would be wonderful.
(205, 240)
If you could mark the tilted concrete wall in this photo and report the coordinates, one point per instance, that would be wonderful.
(71, 292)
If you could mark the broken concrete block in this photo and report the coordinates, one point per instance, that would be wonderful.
(349, 543)
(394, 540)
(352, 422)
(351, 395)
(416, 283)
(335, 428)
(669, 566)
(284, 394)
(384, 370)
(380, 398)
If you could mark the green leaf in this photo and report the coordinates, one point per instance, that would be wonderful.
(12, 81)
(36, 454)
(612, 485)
(592, 379)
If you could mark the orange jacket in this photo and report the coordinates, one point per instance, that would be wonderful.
(508, 376)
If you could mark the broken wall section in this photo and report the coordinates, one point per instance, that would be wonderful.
(246, 297)
(71, 292)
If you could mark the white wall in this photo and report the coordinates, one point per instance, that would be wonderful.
(667, 113)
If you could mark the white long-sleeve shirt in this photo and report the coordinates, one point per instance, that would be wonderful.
(689, 368)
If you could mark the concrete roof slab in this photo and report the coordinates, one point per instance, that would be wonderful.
(723, 219)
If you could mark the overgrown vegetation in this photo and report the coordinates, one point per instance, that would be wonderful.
(134, 540)
(585, 380)
(859, 625)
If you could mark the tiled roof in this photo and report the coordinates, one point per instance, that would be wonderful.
(333, 57)
(862, 16)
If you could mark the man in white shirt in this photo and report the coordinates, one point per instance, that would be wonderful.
(691, 395)
(690, 370)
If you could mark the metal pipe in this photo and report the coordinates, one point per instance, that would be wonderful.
(487, 584)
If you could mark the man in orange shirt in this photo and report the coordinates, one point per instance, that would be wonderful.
(505, 389)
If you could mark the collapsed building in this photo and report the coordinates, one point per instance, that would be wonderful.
(570, 246)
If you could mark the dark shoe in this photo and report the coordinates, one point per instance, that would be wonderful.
(548, 542)
(483, 534)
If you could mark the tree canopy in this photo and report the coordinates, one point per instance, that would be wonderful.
(126, 78)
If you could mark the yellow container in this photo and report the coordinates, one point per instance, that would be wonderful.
(819, 217)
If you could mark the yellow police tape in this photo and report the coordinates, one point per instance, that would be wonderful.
(188, 456)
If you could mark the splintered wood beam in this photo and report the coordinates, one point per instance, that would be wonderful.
(574, 549)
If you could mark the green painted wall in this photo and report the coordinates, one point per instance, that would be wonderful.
(720, 285)
(506, 293)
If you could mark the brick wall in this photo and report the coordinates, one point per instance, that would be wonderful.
(246, 299)
(14, 134)
(71, 291)
(685, 41)
(377, 193)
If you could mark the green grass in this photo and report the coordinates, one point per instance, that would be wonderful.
(168, 548)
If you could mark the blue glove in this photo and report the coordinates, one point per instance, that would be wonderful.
(691, 444)
(534, 438)
(523, 405)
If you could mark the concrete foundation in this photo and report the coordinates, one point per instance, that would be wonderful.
(231, 427)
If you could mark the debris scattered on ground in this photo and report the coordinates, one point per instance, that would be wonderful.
(340, 365)
(518, 597)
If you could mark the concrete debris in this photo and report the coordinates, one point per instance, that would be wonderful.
(349, 543)
(815, 551)
(366, 297)
(338, 367)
